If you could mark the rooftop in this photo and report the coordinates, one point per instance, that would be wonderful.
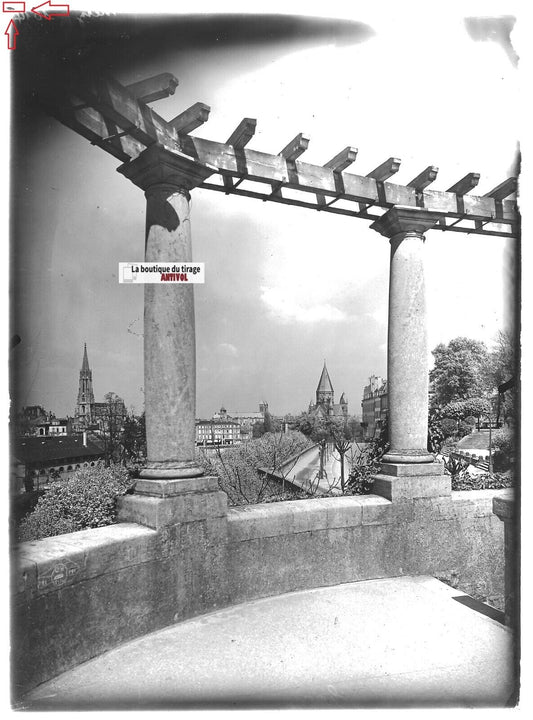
(45, 449)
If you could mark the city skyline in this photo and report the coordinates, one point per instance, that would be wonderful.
(285, 287)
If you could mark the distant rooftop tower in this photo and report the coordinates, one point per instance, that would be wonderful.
(85, 392)
(324, 391)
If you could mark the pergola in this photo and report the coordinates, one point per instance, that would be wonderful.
(165, 160)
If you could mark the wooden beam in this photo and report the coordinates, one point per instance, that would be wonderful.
(261, 167)
(342, 160)
(385, 170)
(425, 178)
(464, 185)
(243, 133)
(154, 88)
(118, 106)
(504, 189)
(296, 147)
(191, 118)
(111, 116)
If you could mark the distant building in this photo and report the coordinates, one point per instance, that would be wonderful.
(374, 406)
(217, 432)
(85, 402)
(53, 427)
(37, 460)
(104, 416)
(243, 417)
(325, 399)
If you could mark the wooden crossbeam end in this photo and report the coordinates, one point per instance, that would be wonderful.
(243, 133)
(191, 118)
(504, 189)
(154, 88)
(296, 147)
(425, 178)
(342, 160)
(469, 182)
(385, 170)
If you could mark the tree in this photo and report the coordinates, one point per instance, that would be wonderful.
(474, 407)
(503, 371)
(111, 417)
(237, 466)
(133, 438)
(461, 371)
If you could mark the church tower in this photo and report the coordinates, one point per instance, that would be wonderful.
(85, 402)
(324, 391)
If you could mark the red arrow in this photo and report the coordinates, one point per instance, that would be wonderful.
(11, 33)
(49, 10)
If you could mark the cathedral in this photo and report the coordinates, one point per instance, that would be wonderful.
(91, 414)
(325, 399)
(85, 404)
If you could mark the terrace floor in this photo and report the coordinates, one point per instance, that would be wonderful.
(406, 641)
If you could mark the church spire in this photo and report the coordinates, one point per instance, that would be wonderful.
(324, 391)
(85, 361)
(85, 402)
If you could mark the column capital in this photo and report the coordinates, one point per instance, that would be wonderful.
(402, 219)
(157, 165)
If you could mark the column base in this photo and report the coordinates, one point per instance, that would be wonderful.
(160, 503)
(171, 470)
(408, 456)
(402, 481)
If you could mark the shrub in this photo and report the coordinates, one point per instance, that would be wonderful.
(236, 467)
(86, 500)
(366, 464)
(466, 481)
(455, 466)
(503, 445)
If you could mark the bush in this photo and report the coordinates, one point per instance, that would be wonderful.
(86, 500)
(503, 445)
(236, 467)
(466, 481)
(366, 464)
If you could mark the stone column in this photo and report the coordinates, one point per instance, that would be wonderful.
(169, 334)
(407, 354)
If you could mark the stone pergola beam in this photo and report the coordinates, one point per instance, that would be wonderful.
(296, 147)
(425, 178)
(469, 182)
(504, 189)
(115, 118)
(154, 88)
(342, 160)
(191, 118)
(242, 134)
(386, 170)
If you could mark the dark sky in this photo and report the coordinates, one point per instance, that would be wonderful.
(285, 287)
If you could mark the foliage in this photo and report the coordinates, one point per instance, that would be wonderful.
(435, 433)
(236, 466)
(86, 500)
(133, 438)
(367, 464)
(503, 445)
(460, 371)
(455, 466)
(468, 481)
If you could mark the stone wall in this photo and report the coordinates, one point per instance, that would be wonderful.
(81, 594)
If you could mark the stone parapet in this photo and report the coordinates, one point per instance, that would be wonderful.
(81, 594)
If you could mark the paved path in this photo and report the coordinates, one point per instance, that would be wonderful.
(380, 643)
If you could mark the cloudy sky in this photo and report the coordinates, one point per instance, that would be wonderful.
(285, 287)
